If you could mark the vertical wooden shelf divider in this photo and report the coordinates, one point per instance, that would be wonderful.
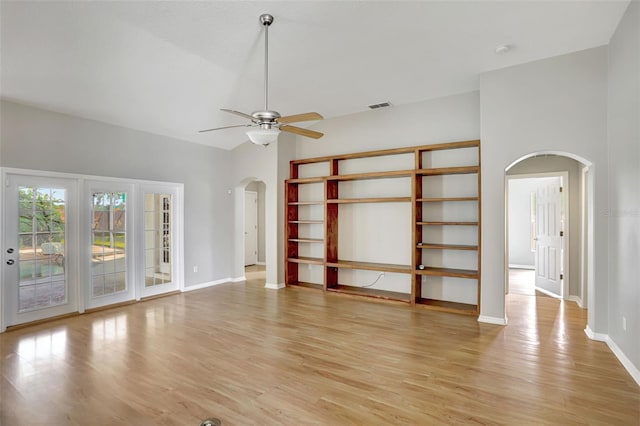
(420, 268)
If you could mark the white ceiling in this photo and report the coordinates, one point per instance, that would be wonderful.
(168, 67)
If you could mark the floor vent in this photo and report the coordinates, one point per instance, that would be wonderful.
(211, 422)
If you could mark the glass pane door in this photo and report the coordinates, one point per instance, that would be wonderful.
(38, 240)
(109, 269)
(159, 246)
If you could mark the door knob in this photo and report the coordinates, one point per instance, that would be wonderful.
(9, 250)
(10, 262)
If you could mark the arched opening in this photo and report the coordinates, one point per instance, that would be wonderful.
(254, 189)
(549, 227)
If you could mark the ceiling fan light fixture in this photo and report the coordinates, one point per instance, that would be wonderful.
(263, 137)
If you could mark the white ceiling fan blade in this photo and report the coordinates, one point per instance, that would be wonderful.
(241, 114)
(225, 127)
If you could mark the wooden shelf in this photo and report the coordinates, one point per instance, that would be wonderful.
(446, 246)
(421, 192)
(305, 203)
(447, 223)
(368, 266)
(448, 145)
(371, 292)
(303, 284)
(372, 175)
(445, 199)
(315, 179)
(448, 171)
(369, 200)
(445, 306)
(447, 272)
(306, 240)
(307, 260)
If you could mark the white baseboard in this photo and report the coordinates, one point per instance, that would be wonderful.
(492, 320)
(600, 337)
(274, 286)
(238, 279)
(626, 362)
(207, 284)
(578, 301)
(261, 263)
(517, 266)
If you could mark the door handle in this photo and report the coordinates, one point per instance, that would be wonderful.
(10, 262)
(9, 250)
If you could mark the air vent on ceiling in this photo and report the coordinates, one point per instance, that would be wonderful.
(380, 105)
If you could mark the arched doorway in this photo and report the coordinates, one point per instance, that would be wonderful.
(570, 223)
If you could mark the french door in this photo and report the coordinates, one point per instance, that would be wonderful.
(39, 267)
(158, 266)
(108, 250)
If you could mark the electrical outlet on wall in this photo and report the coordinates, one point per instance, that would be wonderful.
(195, 269)
(624, 323)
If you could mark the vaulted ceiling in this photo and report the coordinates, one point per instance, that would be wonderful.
(168, 67)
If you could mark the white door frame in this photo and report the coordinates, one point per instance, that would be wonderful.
(79, 267)
(71, 232)
(564, 175)
(91, 186)
(177, 241)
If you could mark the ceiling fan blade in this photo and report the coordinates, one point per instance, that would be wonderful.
(241, 114)
(307, 116)
(225, 127)
(302, 132)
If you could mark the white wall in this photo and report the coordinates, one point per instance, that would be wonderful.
(623, 214)
(271, 166)
(520, 253)
(33, 138)
(553, 105)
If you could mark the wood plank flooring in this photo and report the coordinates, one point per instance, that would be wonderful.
(252, 356)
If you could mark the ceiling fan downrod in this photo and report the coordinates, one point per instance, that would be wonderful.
(266, 20)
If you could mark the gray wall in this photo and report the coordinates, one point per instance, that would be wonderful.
(623, 214)
(33, 138)
(556, 163)
(520, 253)
(555, 105)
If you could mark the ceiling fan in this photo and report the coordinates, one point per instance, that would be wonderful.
(267, 123)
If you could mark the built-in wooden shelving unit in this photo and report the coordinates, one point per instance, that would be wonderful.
(429, 268)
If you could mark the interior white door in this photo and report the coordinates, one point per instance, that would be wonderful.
(250, 228)
(549, 235)
(40, 260)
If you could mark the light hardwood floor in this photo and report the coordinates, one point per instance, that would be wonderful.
(252, 356)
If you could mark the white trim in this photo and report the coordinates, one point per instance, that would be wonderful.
(626, 362)
(238, 279)
(622, 357)
(261, 263)
(600, 337)
(578, 301)
(517, 266)
(274, 286)
(205, 285)
(492, 320)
